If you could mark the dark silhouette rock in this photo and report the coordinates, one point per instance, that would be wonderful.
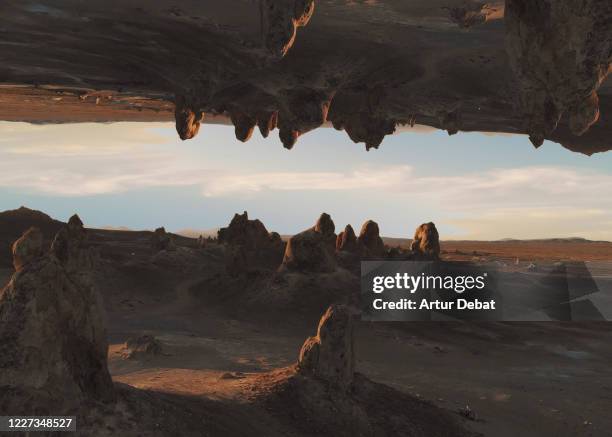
(330, 354)
(369, 241)
(426, 242)
(312, 250)
(53, 343)
(161, 240)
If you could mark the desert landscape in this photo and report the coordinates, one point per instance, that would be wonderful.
(248, 328)
(203, 336)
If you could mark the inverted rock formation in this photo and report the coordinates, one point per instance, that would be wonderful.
(560, 54)
(369, 241)
(280, 20)
(313, 249)
(187, 117)
(53, 343)
(426, 242)
(330, 354)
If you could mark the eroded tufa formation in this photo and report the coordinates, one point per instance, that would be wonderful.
(346, 240)
(369, 241)
(53, 343)
(313, 249)
(330, 354)
(426, 242)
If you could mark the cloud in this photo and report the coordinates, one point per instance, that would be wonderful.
(521, 202)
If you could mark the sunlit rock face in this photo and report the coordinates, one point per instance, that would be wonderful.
(560, 54)
(426, 242)
(187, 118)
(27, 248)
(312, 250)
(330, 354)
(53, 344)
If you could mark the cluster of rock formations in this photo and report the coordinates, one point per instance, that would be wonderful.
(539, 71)
(317, 249)
(53, 344)
(250, 244)
(557, 51)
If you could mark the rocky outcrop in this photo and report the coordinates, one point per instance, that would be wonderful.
(53, 344)
(330, 354)
(188, 117)
(346, 240)
(250, 244)
(313, 249)
(560, 55)
(161, 240)
(369, 241)
(27, 248)
(280, 21)
(426, 242)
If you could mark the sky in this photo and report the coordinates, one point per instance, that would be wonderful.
(141, 176)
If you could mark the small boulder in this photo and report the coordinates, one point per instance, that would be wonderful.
(142, 346)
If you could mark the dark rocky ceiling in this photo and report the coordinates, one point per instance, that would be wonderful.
(364, 66)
